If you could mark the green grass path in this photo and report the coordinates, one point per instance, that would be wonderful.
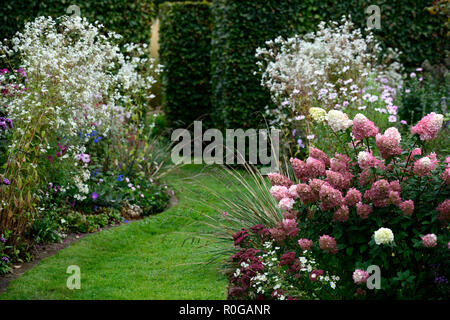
(146, 259)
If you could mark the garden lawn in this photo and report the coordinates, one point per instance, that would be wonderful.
(153, 258)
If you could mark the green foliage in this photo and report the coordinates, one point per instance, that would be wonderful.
(239, 27)
(132, 19)
(185, 45)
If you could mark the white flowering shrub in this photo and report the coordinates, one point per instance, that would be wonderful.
(335, 67)
(74, 88)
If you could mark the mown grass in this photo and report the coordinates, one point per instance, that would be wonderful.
(153, 258)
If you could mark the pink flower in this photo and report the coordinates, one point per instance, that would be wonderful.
(290, 227)
(328, 244)
(305, 193)
(337, 180)
(444, 210)
(428, 127)
(407, 207)
(395, 186)
(279, 192)
(305, 244)
(300, 169)
(286, 203)
(277, 179)
(360, 276)
(330, 197)
(423, 166)
(445, 176)
(388, 143)
(366, 177)
(316, 168)
(429, 240)
(394, 197)
(378, 193)
(341, 214)
(352, 197)
(316, 185)
(319, 155)
(363, 127)
(293, 192)
(363, 210)
(367, 160)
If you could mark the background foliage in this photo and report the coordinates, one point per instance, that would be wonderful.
(185, 46)
(239, 27)
(130, 18)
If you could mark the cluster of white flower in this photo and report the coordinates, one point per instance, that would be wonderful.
(329, 68)
(308, 264)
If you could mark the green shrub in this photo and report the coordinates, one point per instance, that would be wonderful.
(130, 18)
(239, 27)
(185, 45)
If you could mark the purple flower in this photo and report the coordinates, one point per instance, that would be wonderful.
(2, 239)
(6, 181)
(94, 196)
(300, 143)
(5, 259)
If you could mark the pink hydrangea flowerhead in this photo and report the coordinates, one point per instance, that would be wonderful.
(279, 192)
(363, 210)
(366, 177)
(360, 276)
(395, 186)
(293, 191)
(394, 197)
(286, 204)
(328, 244)
(337, 180)
(277, 179)
(445, 176)
(305, 244)
(367, 160)
(341, 214)
(352, 197)
(416, 152)
(378, 193)
(290, 226)
(444, 210)
(428, 127)
(316, 168)
(319, 155)
(315, 185)
(330, 197)
(425, 165)
(305, 193)
(429, 240)
(363, 127)
(389, 143)
(300, 169)
(407, 207)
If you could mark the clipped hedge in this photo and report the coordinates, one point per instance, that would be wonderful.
(240, 26)
(185, 46)
(131, 18)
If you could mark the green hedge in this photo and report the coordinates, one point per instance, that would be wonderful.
(185, 46)
(240, 26)
(131, 18)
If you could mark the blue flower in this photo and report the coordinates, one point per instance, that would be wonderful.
(97, 139)
(300, 143)
(120, 177)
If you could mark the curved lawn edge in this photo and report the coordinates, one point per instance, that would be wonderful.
(144, 259)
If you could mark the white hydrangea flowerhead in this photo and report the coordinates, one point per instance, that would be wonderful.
(338, 120)
(393, 133)
(317, 114)
(383, 236)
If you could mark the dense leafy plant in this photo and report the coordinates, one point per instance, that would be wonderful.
(132, 19)
(335, 67)
(185, 45)
(384, 201)
(237, 33)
